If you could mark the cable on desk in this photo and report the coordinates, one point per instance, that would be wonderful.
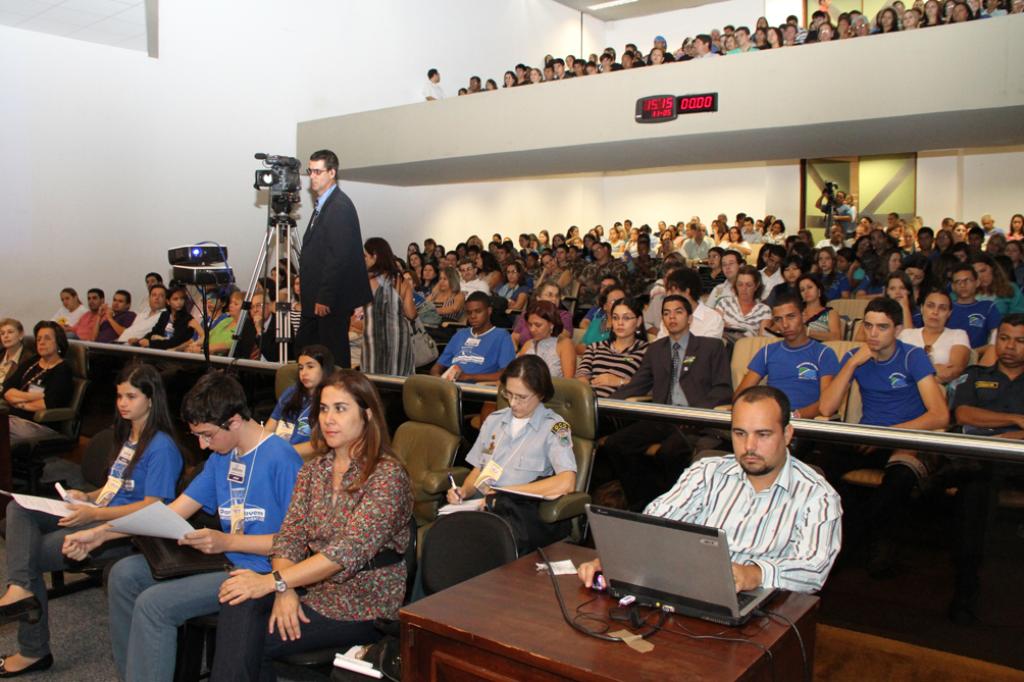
(685, 632)
(799, 638)
(576, 626)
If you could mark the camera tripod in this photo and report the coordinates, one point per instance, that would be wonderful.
(279, 240)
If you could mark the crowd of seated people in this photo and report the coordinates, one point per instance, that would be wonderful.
(824, 26)
(948, 297)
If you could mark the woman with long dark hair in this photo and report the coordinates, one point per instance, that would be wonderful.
(145, 464)
(610, 364)
(43, 384)
(173, 328)
(342, 543)
(387, 346)
(291, 418)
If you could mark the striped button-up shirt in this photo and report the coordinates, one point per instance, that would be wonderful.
(791, 530)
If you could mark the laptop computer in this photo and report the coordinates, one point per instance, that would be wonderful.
(681, 567)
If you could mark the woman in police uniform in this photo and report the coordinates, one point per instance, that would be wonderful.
(525, 447)
(290, 418)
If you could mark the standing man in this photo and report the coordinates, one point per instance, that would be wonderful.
(432, 88)
(334, 279)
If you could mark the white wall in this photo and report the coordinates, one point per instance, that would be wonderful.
(964, 184)
(112, 157)
(681, 24)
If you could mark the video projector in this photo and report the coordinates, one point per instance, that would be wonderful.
(201, 264)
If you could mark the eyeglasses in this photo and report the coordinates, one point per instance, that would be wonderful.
(315, 171)
(515, 397)
(208, 437)
(623, 318)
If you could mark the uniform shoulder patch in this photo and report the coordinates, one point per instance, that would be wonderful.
(563, 433)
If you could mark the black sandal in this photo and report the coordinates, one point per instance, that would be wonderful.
(43, 663)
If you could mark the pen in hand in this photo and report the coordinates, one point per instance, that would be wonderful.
(455, 487)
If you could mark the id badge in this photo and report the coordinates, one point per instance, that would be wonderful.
(285, 429)
(236, 473)
(488, 476)
(36, 389)
(237, 518)
(110, 488)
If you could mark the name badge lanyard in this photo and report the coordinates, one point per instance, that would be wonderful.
(493, 468)
(115, 479)
(239, 492)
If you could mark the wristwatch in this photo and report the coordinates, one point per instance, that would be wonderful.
(279, 584)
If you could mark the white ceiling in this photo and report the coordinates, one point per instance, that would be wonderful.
(120, 23)
(640, 8)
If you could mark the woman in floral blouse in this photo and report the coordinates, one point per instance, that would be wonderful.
(342, 542)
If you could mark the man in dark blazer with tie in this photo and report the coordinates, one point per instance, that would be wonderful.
(681, 369)
(334, 279)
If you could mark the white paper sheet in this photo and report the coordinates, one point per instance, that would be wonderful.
(564, 567)
(42, 504)
(155, 520)
(523, 493)
(468, 505)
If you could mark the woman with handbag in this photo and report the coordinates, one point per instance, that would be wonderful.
(145, 466)
(290, 418)
(342, 543)
(387, 347)
(247, 482)
(525, 447)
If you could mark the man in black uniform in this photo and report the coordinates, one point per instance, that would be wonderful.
(334, 280)
(989, 401)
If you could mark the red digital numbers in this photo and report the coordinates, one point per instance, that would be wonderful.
(696, 103)
(659, 107)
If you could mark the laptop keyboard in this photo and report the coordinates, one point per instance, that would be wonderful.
(745, 598)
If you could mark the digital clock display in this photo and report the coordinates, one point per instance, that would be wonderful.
(696, 104)
(656, 109)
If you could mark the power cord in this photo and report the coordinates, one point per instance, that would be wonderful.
(799, 638)
(573, 621)
(682, 630)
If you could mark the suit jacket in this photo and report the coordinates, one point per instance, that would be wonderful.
(706, 383)
(332, 267)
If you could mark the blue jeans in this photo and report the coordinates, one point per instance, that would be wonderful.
(34, 542)
(145, 614)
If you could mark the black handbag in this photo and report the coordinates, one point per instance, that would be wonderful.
(168, 560)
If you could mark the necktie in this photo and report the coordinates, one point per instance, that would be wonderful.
(678, 398)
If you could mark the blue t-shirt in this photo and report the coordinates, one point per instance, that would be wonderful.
(270, 472)
(302, 429)
(839, 285)
(797, 372)
(869, 288)
(155, 473)
(978, 319)
(490, 352)
(889, 389)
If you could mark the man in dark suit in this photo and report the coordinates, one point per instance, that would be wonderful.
(334, 279)
(681, 369)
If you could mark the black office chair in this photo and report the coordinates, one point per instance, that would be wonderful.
(464, 545)
(198, 635)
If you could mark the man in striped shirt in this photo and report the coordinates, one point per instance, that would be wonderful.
(782, 518)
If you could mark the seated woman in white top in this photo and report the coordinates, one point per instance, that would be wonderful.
(557, 351)
(71, 308)
(734, 240)
(948, 349)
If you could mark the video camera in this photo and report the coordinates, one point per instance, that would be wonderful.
(281, 177)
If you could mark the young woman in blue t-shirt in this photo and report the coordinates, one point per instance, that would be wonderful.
(145, 465)
(247, 483)
(290, 419)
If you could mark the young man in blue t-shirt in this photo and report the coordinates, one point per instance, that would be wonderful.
(479, 352)
(979, 319)
(898, 388)
(800, 367)
(247, 483)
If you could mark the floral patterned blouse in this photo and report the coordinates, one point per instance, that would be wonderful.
(350, 531)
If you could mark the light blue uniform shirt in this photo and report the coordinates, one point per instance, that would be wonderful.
(542, 448)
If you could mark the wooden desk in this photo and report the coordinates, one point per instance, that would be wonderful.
(506, 625)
